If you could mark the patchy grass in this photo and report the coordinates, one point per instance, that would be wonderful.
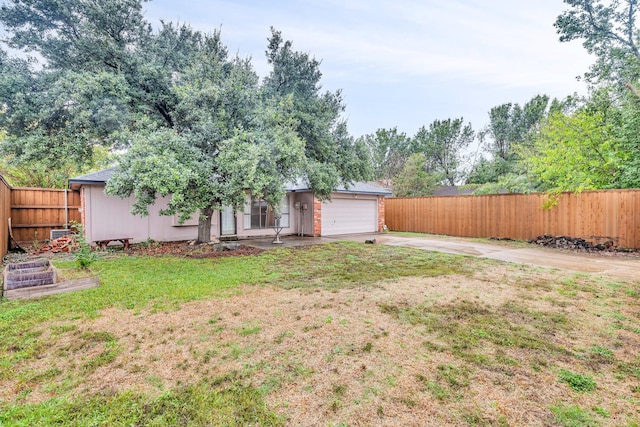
(217, 402)
(466, 329)
(495, 241)
(573, 416)
(346, 333)
(353, 264)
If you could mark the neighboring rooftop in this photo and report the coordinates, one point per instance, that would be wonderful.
(453, 190)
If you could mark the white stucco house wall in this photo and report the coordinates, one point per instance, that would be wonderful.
(358, 209)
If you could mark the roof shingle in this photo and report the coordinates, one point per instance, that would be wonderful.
(101, 177)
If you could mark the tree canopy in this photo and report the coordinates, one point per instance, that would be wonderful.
(331, 154)
(389, 150)
(608, 30)
(413, 180)
(574, 152)
(582, 142)
(443, 144)
(190, 121)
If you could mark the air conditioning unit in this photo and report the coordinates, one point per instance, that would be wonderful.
(54, 234)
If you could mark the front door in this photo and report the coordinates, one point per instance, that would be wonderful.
(227, 221)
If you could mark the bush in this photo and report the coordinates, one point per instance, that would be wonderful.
(83, 255)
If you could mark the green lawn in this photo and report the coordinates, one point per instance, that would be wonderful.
(366, 331)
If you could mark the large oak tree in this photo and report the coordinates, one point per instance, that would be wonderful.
(194, 123)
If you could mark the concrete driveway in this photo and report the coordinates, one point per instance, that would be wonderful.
(621, 267)
(625, 268)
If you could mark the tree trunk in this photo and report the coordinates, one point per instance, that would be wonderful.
(204, 226)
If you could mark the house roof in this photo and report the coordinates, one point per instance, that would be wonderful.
(101, 178)
(452, 190)
(93, 178)
(356, 187)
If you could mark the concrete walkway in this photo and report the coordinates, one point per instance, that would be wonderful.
(625, 268)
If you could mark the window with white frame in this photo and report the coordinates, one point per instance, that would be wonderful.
(257, 214)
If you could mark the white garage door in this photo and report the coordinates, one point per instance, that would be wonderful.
(347, 216)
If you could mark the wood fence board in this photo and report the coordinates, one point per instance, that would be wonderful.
(623, 222)
(591, 215)
(634, 209)
(571, 220)
(37, 211)
(5, 213)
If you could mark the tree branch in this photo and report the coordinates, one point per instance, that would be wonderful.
(612, 35)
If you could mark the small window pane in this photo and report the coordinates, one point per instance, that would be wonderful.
(247, 213)
(257, 214)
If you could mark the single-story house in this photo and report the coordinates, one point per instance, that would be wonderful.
(358, 209)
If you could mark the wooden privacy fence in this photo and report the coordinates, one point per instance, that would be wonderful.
(5, 213)
(595, 216)
(37, 211)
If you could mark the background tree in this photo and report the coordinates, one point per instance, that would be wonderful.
(608, 31)
(578, 150)
(600, 137)
(443, 144)
(413, 180)
(332, 157)
(628, 135)
(510, 129)
(389, 150)
(510, 124)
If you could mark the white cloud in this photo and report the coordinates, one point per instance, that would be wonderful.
(451, 39)
(494, 50)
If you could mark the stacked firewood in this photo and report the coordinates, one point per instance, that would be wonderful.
(573, 243)
(61, 244)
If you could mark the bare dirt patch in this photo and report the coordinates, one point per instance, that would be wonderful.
(413, 351)
(185, 249)
(189, 250)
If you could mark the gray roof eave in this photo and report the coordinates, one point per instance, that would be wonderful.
(101, 178)
(86, 182)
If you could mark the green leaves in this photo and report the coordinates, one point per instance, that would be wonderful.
(76, 34)
(62, 118)
(389, 150)
(576, 152)
(608, 31)
(578, 382)
(331, 154)
(159, 163)
(195, 124)
(442, 144)
(413, 180)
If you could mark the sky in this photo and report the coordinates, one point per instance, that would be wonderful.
(405, 63)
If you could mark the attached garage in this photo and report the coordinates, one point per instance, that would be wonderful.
(348, 214)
